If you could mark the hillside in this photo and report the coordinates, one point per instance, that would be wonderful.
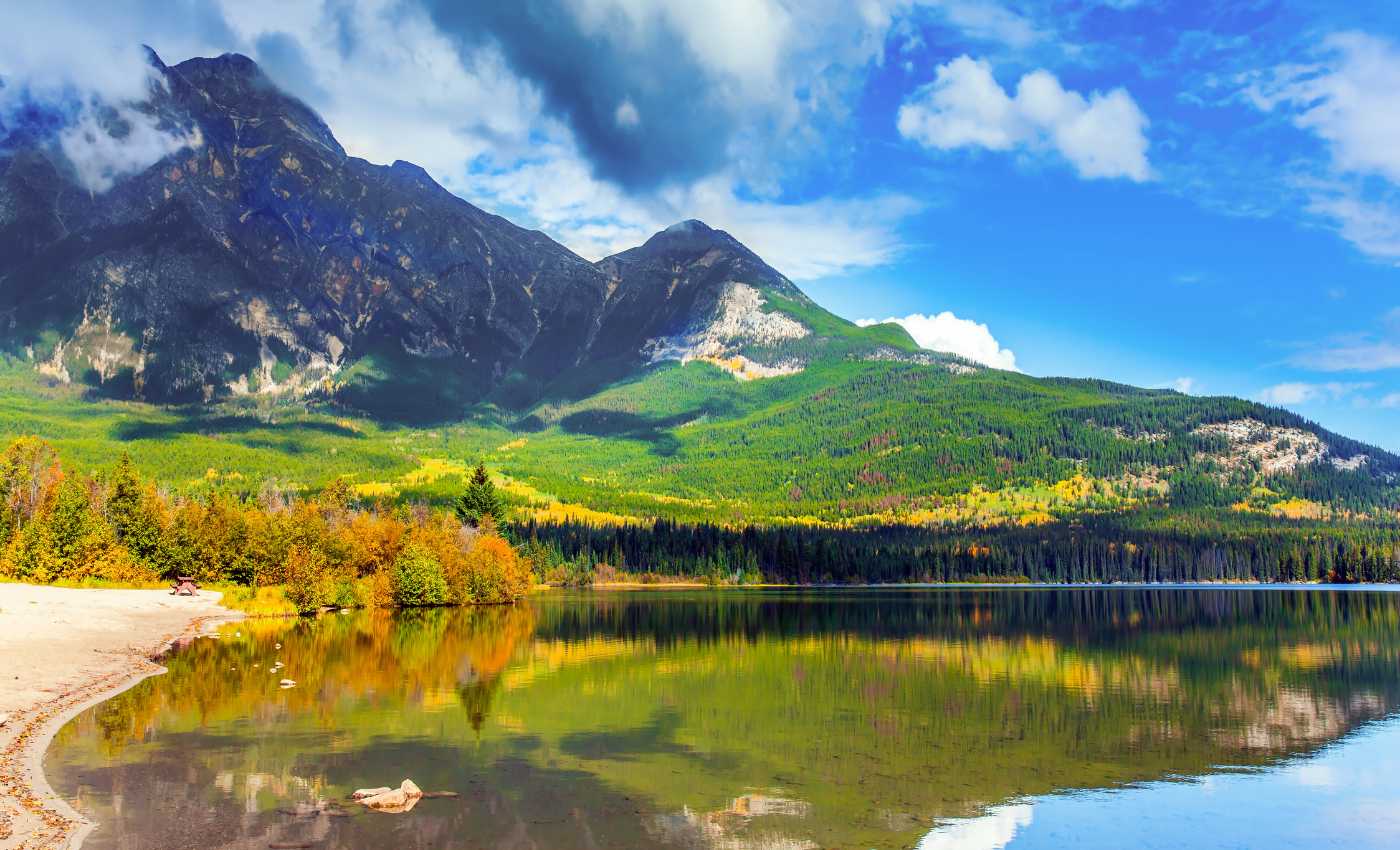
(261, 305)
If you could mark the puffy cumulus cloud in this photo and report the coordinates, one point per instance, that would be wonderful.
(947, 332)
(1103, 135)
(1300, 392)
(1349, 99)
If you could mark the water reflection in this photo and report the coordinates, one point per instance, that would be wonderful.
(861, 719)
(991, 831)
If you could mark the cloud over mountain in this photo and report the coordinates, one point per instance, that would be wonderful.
(947, 332)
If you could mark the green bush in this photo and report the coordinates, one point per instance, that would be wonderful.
(348, 593)
(417, 579)
(312, 582)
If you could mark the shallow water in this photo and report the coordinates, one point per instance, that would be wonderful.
(931, 718)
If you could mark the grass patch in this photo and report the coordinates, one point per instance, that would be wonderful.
(258, 601)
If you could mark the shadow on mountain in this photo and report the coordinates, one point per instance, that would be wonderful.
(214, 426)
(121, 386)
(396, 388)
(627, 426)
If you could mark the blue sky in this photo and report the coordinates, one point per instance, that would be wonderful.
(1199, 195)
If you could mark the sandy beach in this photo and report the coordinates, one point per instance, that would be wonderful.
(62, 650)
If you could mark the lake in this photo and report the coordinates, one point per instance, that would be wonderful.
(927, 718)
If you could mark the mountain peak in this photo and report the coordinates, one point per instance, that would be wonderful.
(690, 225)
(691, 236)
(233, 92)
(225, 65)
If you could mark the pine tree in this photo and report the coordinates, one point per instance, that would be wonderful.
(132, 513)
(481, 503)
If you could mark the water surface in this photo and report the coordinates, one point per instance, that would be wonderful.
(931, 718)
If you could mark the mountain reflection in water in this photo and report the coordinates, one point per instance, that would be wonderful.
(739, 720)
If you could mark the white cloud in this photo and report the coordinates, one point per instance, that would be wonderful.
(1371, 225)
(1390, 400)
(89, 50)
(814, 239)
(1102, 136)
(99, 158)
(626, 114)
(1350, 100)
(1363, 354)
(93, 73)
(1186, 385)
(402, 89)
(1298, 392)
(989, 21)
(393, 84)
(947, 332)
(512, 157)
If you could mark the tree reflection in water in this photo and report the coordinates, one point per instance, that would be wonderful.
(732, 719)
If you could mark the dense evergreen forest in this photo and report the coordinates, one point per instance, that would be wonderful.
(1151, 547)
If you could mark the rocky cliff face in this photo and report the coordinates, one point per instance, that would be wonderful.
(259, 258)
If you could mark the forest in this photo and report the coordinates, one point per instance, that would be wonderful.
(329, 551)
(1141, 547)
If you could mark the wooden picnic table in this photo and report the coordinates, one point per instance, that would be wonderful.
(184, 586)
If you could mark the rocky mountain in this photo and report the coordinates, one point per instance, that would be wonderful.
(255, 259)
(259, 258)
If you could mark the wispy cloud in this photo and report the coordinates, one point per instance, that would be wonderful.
(88, 83)
(804, 240)
(1348, 97)
(1363, 354)
(1299, 392)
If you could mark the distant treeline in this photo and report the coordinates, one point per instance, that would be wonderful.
(1147, 546)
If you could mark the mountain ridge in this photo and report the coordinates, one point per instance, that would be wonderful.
(261, 265)
(314, 259)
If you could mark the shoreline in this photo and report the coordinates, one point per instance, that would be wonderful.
(982, 585)
(124, 634)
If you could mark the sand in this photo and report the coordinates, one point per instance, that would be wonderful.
(61, 651)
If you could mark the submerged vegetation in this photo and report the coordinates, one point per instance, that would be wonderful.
(331, 550)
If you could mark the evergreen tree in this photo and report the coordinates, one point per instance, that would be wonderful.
(131, 511)
(481, 503)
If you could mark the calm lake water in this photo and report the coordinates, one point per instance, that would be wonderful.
(928, 718)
